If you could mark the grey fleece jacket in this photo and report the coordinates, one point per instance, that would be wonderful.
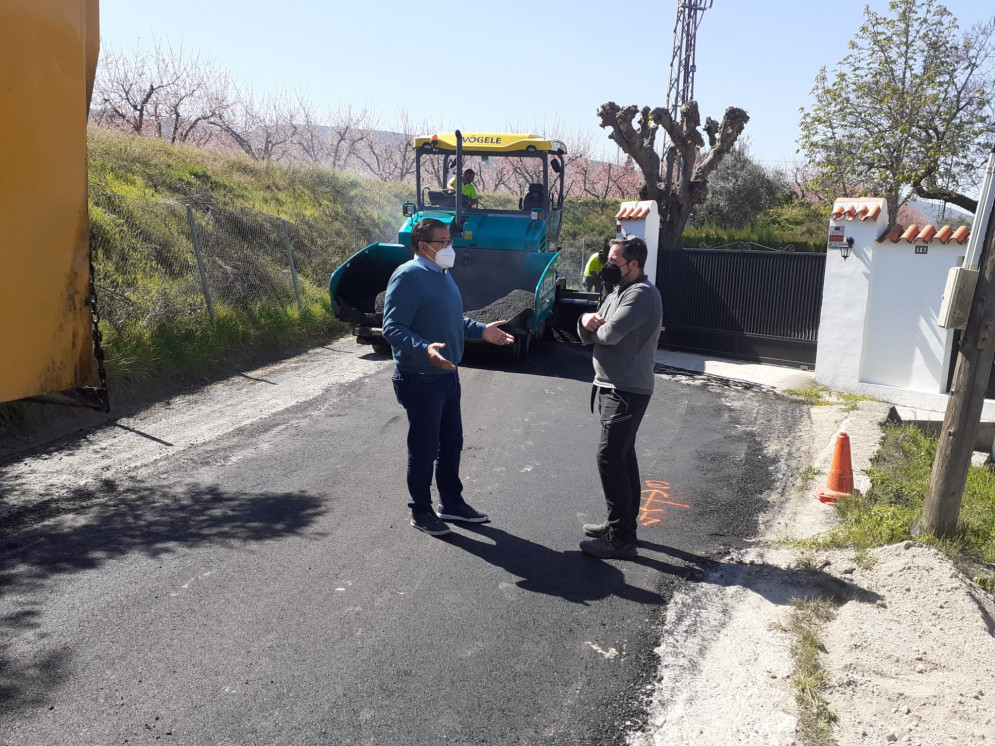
(625, 346)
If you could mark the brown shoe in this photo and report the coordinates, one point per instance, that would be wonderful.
(595, 530)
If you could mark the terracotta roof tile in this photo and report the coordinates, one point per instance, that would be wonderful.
(634, 211)
(895, 233)
(856, 209)
(915, 234)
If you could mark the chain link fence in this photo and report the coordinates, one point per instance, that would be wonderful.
(167, 262)
(160, 260)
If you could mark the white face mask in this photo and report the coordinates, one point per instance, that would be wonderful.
(446, 257)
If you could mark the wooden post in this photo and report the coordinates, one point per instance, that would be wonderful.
(967, 397)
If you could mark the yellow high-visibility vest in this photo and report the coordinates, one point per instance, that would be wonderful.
(593, 266)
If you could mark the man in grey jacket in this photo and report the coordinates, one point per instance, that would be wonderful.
(624, 332)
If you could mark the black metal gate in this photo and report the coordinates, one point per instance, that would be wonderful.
(746, 305)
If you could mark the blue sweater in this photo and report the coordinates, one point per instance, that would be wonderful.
(424, 306)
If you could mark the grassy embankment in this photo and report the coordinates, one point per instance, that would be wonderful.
(156, 318)
(155, 322)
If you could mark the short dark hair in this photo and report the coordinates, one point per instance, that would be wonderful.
(633, 249)
(423, 231)
(469, 171)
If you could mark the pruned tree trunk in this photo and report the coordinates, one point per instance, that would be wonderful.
(682, 183)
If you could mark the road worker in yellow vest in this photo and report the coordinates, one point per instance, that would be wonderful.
(592, 274)
(469, 190)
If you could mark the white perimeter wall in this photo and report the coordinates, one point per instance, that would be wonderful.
(903, 344)
(878, 334)
(648, 229)
(844, 306)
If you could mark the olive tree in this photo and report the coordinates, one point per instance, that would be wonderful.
(739, 191)
(907, 110)
(680, 182)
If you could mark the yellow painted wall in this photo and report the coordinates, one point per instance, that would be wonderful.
(45, 337)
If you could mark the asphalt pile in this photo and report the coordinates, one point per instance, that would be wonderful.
(517, 308)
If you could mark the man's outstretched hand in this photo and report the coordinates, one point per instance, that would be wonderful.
(497, 336)
(436, 357)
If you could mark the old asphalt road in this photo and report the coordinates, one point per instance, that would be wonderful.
(235, 566)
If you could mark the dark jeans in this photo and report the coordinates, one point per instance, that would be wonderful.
(592, 284)
(621, 414)
(435, 436)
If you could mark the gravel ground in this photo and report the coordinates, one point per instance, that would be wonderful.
(909, 656)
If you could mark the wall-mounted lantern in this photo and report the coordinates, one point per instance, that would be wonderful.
(846, 247)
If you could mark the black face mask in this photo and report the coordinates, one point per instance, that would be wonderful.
(611, 274)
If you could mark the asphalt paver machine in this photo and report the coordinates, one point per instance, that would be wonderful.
(506, 257)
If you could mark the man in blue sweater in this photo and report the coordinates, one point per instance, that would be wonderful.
(624, 332)
(423, 322)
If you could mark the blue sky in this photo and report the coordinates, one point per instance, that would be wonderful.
(515, 64)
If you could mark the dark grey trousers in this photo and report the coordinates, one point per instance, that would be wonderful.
(621, 414)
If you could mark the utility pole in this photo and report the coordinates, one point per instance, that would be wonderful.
(975, 355)
(680, 87)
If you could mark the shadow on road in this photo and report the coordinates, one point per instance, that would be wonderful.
(776, 584)
(83, 531)
(577, 578)
(570, 575)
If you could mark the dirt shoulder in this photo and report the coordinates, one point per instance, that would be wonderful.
(909, 654)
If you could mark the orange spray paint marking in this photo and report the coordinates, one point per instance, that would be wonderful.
(654, 497)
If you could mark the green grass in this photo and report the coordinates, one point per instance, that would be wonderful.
(750, 237)
(196, 348)
(588, 224)
(146, 168)
(888, 513)
(817, 396)
(808, 476)
(820, 396)
(892, 508)
(151, 299)
(816, 720)
(154, 318)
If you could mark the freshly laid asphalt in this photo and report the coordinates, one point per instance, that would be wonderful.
(266, 588)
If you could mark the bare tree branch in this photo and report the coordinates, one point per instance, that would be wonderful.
(683, 182)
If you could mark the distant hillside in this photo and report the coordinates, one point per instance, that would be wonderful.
(938, 213)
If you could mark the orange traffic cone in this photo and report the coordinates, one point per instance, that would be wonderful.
(840, 481)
